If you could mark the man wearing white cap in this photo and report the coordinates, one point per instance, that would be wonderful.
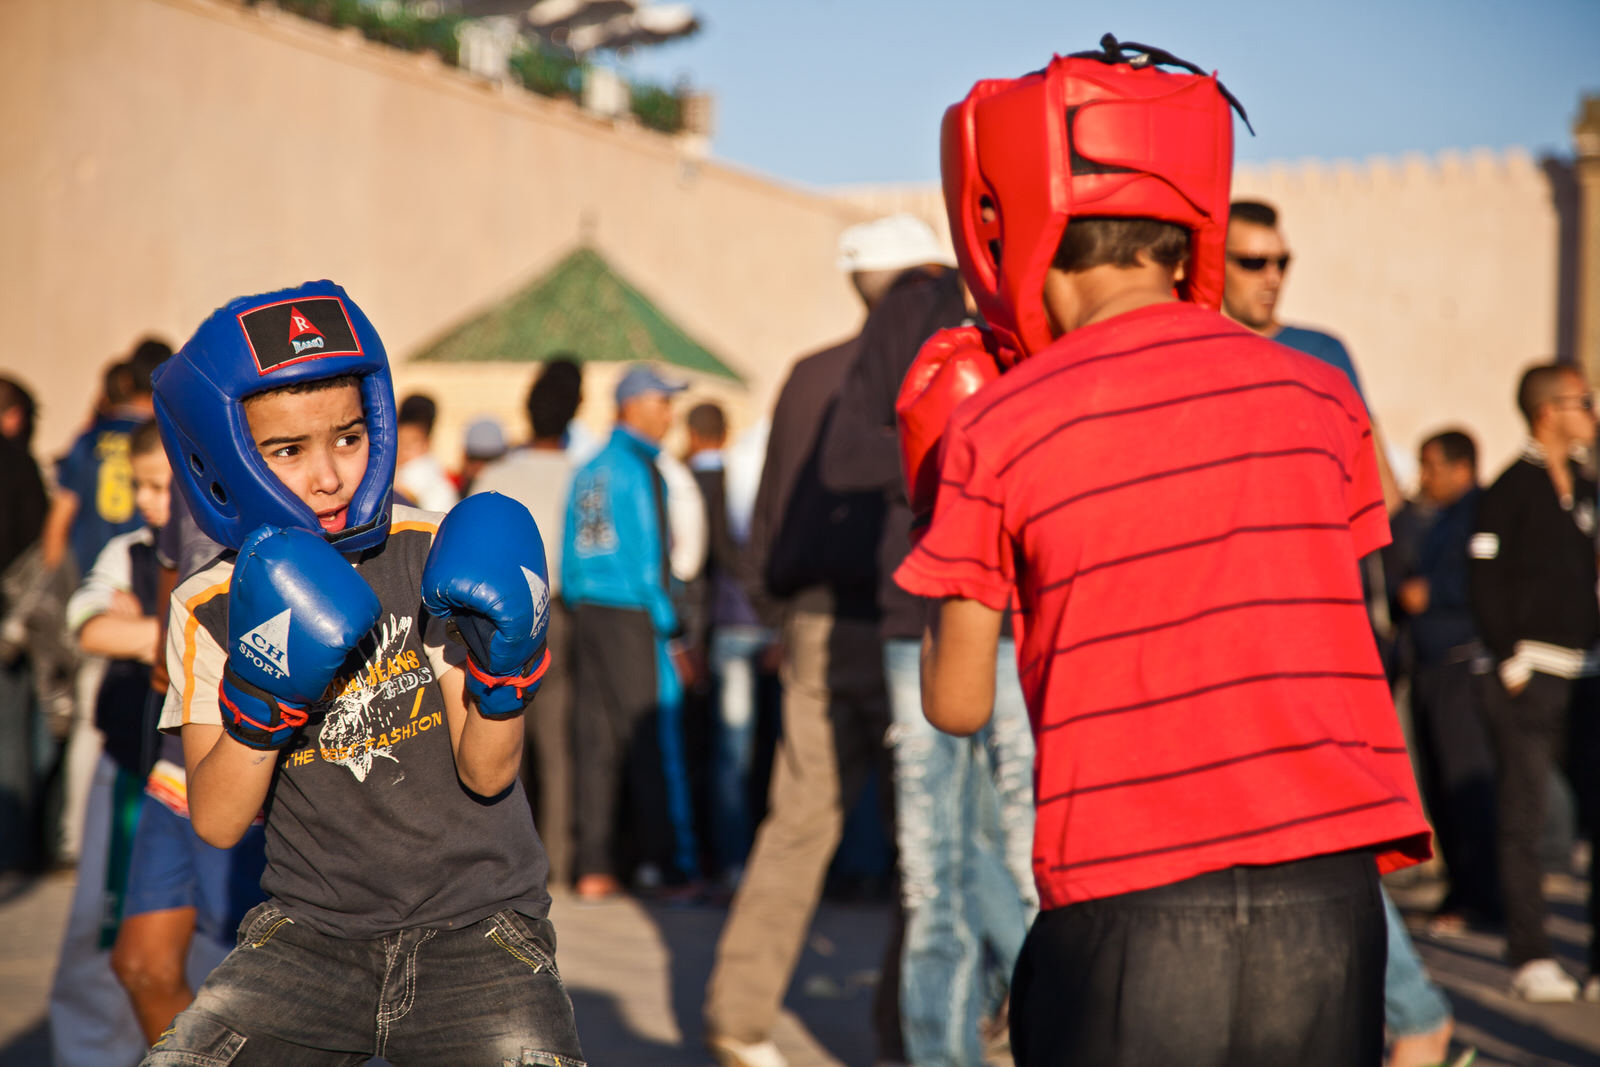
(963, 805)
(812, 558)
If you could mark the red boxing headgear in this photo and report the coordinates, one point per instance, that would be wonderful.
(1097, 134)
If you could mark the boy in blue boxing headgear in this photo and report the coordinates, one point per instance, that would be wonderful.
(360, 669)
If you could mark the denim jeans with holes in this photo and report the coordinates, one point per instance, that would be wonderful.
(485, 994)
(964, 824)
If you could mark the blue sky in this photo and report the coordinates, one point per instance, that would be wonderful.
(823, 92)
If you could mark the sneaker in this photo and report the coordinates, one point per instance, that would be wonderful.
(1543, 982)
(731, 1052)
(1591, 989)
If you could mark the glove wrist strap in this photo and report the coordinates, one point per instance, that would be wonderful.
(254, 717)
(493, 690)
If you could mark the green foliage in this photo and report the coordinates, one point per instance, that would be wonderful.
(547, 72)
(389, 23)
(541, 70)
(658, 108)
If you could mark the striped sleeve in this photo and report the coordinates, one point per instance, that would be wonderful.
(194, 659)
(963, 553)
(1369, 519)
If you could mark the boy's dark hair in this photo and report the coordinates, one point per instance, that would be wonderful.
(1538, 385)
(117, 385)
(147, 355)
(145, 438)
(554, 397)
(1095, 242)
(1254, 212)
(707, 421)
(13, 394)
(1456, 446)
(316, 385)
(419, 410)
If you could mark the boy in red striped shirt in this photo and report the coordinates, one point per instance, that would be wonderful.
(1178, 506)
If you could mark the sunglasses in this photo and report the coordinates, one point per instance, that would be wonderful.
(1255, 263)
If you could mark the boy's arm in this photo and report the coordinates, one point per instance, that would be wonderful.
(958, 665)
(228, 783)
(486, 574)
(121, 637)
(488, 751)
(105, 615)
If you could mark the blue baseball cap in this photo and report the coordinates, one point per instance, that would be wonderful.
(642, 378)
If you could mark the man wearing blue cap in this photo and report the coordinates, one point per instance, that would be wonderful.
(627, 690)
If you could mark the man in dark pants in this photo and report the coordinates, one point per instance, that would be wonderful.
(1446, 689)
(1533, 593)
(627, 687)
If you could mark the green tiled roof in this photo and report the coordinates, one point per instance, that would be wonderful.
(583, 308)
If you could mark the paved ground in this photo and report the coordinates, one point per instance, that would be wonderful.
(636, 975)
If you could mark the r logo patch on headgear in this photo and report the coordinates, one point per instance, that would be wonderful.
(292, 331)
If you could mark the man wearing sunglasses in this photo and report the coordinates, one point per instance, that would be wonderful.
(1257, 261)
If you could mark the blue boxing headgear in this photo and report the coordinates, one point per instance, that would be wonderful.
(251, 345)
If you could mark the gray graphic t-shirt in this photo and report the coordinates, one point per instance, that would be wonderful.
(369, 830)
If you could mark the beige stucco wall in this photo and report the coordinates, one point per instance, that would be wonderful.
(1440, 274)
(158, 157)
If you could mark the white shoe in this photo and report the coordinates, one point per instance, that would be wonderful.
(734, 1053)
(1544, 982)
(1591, 989)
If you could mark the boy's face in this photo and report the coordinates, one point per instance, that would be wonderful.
(316, 443)
(152, 486)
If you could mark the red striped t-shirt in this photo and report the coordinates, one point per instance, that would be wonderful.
(1180, 505)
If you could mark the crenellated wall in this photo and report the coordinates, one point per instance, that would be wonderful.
(1445, 276)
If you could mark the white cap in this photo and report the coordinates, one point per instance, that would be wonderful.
(894, 242)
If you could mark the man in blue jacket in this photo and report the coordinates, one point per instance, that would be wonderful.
(627, 689)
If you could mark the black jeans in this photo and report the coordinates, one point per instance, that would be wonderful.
(287, 996)
(1250, 965)
(1531, 734)
(1457, 776)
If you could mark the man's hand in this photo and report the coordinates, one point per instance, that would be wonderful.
(1413, 595)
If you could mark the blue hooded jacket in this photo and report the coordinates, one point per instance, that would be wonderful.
(614, 550)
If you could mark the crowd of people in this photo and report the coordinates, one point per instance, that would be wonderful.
(1130, 723)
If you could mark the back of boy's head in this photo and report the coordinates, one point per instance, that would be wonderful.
(707, 422)
(145, 439)
(1104, 135)
(297, 340)
(554, 397)
(420, 411)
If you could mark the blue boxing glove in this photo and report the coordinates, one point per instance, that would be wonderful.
(486, 573)
(295, 610)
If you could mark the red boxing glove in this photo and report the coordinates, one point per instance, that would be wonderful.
(951, 366)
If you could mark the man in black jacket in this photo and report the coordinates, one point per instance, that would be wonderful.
(1533, 580)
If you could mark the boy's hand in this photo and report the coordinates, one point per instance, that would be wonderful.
(295, 610)
(486, 572)
(951, 366)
